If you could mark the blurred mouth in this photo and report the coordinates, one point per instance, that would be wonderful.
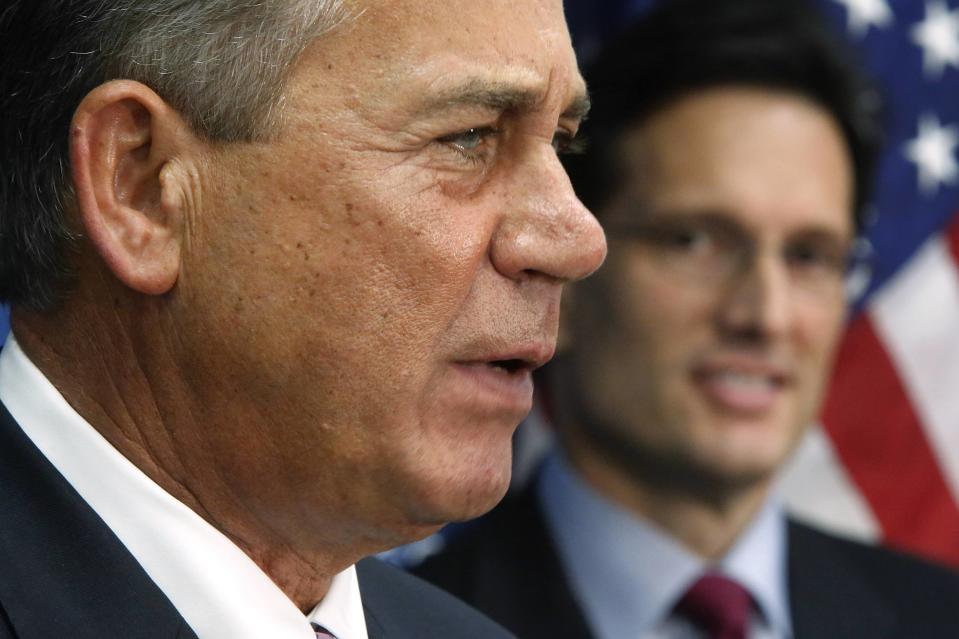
(744, 387)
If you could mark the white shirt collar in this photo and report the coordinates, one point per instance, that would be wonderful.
(758, 562)
(628, 575)
(219, 590)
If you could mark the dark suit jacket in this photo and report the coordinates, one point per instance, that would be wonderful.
(63, 573)
(508, 567)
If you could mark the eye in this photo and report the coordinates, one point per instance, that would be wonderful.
(469, 142)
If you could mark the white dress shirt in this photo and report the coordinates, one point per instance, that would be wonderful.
(628, 575)
(215, 586)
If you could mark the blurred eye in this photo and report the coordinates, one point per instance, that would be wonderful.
(702, 246)
(565, 143)
(812, 256)
(683, 239)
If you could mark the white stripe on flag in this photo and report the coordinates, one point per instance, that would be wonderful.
(916, 316)
(815, 487)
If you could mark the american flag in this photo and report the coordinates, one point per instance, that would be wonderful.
(884, 464)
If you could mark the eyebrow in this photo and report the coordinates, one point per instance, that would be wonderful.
(497, 97)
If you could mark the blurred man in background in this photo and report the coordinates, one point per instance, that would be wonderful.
(731, 153)
(279, 273)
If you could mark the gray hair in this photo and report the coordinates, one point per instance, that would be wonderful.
(221, 63)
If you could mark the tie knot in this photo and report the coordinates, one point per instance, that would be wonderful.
(718, 605)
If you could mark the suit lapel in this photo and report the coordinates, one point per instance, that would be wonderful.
(374, 629)
(65, 574)
(828, 598)
(400, 606)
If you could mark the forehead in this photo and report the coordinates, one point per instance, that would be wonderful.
(403, 49)
(766, 156)
(462, 29)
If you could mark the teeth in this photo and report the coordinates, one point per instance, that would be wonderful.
(508, 365)
(745, 381)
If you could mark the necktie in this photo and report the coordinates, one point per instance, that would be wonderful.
(718, 605)
(321, 632)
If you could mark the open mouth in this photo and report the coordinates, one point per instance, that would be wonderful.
(511, 365)
(745, 382)
(498, 384)
(742, 391)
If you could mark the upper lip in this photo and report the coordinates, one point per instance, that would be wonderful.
(530, 355)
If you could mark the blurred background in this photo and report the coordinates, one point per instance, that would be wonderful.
(884, 463)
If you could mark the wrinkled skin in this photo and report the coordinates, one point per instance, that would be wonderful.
(346, 284)
(323, 342)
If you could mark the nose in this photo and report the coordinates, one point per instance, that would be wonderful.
(756, 305)
(546, 230)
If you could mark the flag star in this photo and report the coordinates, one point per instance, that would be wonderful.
(938, 35)
(866, 13)
(933, 152)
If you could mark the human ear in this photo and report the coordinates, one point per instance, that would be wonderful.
(123, 138)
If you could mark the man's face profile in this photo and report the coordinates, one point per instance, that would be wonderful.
(379, 279)
(702, 346)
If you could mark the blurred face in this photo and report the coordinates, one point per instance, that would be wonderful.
(700, 349)
(374, 286)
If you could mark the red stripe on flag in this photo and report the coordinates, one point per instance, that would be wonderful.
(952, 237)
(880, 441)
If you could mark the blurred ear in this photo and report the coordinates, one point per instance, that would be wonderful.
(123, 140)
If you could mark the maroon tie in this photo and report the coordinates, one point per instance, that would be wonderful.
(718, 605)
(321, 632)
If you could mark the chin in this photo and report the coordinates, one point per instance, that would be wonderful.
(744, 468)
(461, 497)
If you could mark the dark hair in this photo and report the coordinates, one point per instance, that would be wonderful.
(683, 46)
(220, 63)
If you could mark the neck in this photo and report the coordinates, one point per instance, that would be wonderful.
(130, 389)
(705, 517)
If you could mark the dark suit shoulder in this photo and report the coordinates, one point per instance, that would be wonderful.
(844, 588)
(893, 571)
(506, 565)
(63, 572)
(399, 605)
(504, 539)
(6, 629)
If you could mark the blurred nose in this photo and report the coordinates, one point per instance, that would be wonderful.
(757, 303)
(546, 230)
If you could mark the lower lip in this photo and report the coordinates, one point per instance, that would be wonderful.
(748, 401)
(496, 388)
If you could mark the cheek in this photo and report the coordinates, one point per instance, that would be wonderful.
(662, 321)
(818, 334)
(392, 259)
(818, 329)
(638, 336)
